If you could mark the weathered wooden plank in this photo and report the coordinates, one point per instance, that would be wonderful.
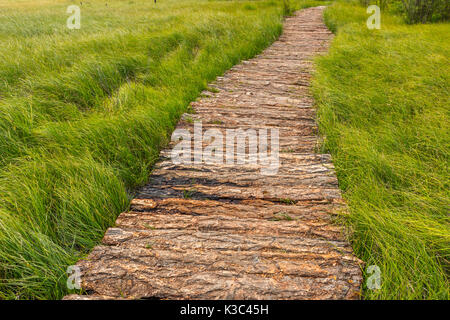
(226, 231)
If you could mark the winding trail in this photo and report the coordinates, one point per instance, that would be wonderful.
(226, 231)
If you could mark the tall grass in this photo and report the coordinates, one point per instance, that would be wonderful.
(383, 106)
(85, 112)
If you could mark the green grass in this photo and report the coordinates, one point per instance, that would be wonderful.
(85, 113)
(383, 106)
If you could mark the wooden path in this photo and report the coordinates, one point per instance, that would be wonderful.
(227, 231)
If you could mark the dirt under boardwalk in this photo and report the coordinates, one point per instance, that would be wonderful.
(218, 231)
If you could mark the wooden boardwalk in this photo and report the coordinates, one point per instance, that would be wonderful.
(225, 230)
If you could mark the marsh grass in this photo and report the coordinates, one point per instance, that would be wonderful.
(383, 98)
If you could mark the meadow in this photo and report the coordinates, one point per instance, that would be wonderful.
(383, 109)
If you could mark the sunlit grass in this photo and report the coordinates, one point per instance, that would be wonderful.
(383, 101)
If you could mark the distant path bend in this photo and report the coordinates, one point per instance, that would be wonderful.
(218, 231)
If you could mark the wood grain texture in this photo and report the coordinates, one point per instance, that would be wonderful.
(224, 231)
